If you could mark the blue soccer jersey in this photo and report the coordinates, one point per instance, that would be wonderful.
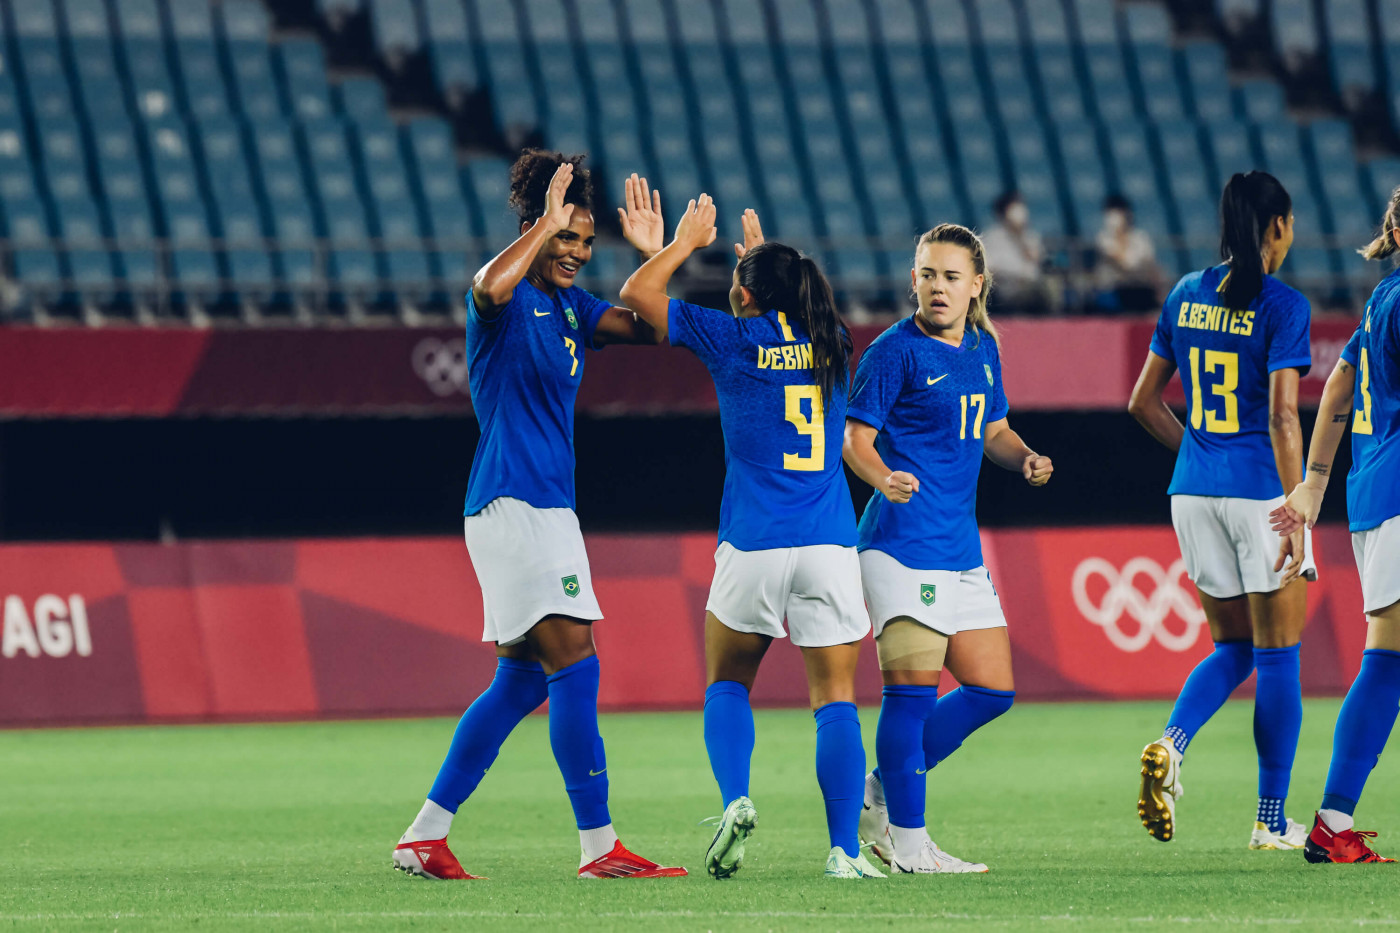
(932, 403)
(784, 485)
(1373, 485)
(524, 368)
(1225, 356)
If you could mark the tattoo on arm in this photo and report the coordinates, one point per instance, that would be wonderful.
(1321, 469)
(1344, 366)
(1339, 419)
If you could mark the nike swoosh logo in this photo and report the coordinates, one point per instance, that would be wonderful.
(930, 382)
(592, 773)
(921, 770)
(539, 313)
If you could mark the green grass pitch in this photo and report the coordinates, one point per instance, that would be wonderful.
(289, 827)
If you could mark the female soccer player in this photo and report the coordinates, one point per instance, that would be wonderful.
(527, 326)
(1373, 507)
(780, 361)
(1240, 338)
(926, 405)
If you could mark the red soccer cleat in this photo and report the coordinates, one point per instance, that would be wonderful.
(430, 858)
(1323, 845)
(619, 863)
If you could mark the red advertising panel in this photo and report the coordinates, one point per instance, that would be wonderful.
(361, 627)
(1061, 364)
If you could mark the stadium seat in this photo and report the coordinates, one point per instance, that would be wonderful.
(450, 51)
(303, 74)
(394, 27)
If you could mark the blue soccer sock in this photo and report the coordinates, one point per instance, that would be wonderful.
(1207, 689)
(517, 689)
(729, 737)
(958, 715)
(899, 749)
(1278, 717)
(841, 772)
(578, 748)
(1363, 726)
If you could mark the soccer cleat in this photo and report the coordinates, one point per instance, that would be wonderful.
(619, 863)
(726, 852)
(430, 858)
(875, 826)
(1161, 788)
(1293, 836)
(841, 865)
(934, 861)
(1323, 845)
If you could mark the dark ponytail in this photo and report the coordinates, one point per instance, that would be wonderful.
(1250, 203)
(781, 278)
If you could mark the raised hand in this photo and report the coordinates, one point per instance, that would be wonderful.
(1037, 469)
(753, 233)
(696, 229)
(640, 217)
(900, 486)
(557, 214)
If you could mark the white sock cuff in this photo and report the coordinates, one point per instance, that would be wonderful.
(596, 843)
(432, 822)
(1336, 820)
(875, 789)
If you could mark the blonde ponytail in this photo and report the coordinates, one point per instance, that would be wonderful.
(958, 235)
(1384, 244)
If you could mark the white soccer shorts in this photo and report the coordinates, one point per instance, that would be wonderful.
(1377, 553)
(530, 563)
(1228, 546)
(947, 601)
(816, 588)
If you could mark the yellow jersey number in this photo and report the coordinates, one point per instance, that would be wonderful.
(968, 401)
(574, 356)
(1362, 424)
(1228, 364)
(813, 427)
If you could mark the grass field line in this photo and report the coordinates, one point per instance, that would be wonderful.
(950, 916)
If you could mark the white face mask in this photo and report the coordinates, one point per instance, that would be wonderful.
(1018, 214)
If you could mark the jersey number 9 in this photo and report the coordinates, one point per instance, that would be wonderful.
(813, 427)
(1229, 366)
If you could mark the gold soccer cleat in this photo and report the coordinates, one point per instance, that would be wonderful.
(1161, 788)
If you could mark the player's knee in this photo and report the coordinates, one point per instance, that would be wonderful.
(989, 703)
(907, 647)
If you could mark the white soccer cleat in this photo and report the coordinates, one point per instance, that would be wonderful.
(726, 852)
(841, 865)
(932, 860)
(1161, 788)
(1293, 837)
(875, 824)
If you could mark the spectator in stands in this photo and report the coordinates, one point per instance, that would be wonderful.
(1016, 255)
(1126, 272)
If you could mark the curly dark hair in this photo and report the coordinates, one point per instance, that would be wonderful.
(530, 177)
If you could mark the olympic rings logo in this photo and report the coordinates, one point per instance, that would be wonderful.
(442, 365)
(1149, 612)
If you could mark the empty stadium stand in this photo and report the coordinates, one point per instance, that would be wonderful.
(199, 157)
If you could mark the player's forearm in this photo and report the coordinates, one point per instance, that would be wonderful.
(644, 292)
(1005, 448)
(495, 282)
(864, 460)
(1286, 437)
(1332, 415)
(1159, 420)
